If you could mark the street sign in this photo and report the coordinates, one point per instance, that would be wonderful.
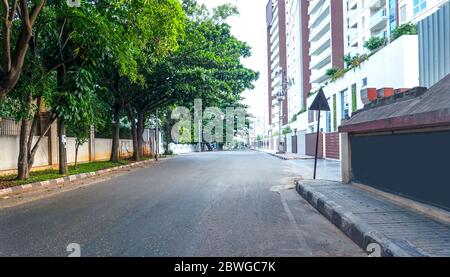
(320, 103)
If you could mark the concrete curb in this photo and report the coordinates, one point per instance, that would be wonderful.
(285, 158)
(356, 229)
(43, 184)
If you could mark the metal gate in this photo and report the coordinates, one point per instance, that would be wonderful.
(294, 144)
(311, 145)
(413, 165)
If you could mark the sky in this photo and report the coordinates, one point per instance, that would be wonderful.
(250, 27)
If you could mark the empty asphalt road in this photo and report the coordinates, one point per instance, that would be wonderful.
(206, 204)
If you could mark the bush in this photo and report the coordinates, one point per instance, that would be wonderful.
(332, 71)
(335, 73)
(348, 60)
(287, 130)
(168, 153)
(374, 43)
(358, 60)
(404, 29)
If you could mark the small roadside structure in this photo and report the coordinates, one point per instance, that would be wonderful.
(400, 144)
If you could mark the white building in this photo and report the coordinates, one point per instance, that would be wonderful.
(275, 67)
(293, 52)
(364, 19)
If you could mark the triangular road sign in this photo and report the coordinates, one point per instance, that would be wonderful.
(320, 103)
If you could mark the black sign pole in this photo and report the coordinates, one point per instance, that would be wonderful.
(320, 103)
(317, 146)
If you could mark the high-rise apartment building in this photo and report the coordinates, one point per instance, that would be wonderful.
(326, 39)
(277, 61)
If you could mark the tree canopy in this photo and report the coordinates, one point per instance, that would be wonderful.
(112, 61)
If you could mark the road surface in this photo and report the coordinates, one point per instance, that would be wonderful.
(203, 204)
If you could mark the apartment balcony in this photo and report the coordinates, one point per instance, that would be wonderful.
(320, 29)
(382, 34)
(321, 60)
(377, 4)
(315, 5)
(275, 46)
(319, 76)
(352, 4)
(319, 45)
(352, 36)
(316, 18)
(378, 20)
(353, 20)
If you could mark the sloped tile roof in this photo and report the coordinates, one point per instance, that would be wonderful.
(414, 109)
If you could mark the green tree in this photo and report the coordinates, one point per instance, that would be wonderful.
(18, 21)
(207, 64)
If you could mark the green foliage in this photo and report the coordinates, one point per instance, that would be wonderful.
(358, 59)
(332, 71)
(374, 43)
(295, 116)
(404, 29)
(287, 130)
(348, 60)
(44, 175)
(354, 99)
(334, 112)
(207, 65)
(335, 73)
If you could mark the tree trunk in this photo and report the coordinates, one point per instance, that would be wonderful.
(77, 145)
(134, 134)
(22, 165)
(140, 133)
(63, 170)
(116, 136)
(156, 136)
(167, 132)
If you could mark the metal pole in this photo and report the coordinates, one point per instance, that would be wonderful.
(317, 146)
(156, 136)
(200, 137)
(280, 128)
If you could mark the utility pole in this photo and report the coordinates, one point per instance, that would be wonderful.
(200, 137)
(156, 136)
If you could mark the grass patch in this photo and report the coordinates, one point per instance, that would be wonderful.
(44, 175)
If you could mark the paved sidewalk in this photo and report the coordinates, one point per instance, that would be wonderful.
(367, 218)
(286, 156)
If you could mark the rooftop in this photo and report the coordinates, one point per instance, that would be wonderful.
(417, 108)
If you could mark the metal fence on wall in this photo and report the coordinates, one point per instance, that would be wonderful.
(434, 46)
(9, 127)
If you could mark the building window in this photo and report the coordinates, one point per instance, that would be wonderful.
(419, 5)
(364, 82)
(345, 108)
(402, 14)
(392, 14)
